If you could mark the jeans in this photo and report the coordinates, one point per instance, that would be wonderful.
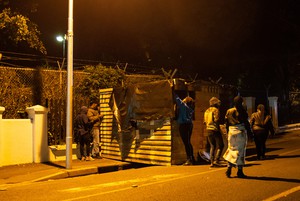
(84, 140)
(96, 141)
(185, 131)
(216, 144)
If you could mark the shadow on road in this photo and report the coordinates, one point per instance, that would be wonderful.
(252, 151)
(273, 179)
(271, 157)
(291, 156)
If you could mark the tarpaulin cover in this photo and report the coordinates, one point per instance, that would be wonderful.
(142, 102)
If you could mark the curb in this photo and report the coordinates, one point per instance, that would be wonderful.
(289, 127)
(84, 171)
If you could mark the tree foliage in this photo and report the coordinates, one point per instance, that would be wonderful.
(101, 77)
(16, 28)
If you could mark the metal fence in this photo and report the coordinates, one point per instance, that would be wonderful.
(24, 87)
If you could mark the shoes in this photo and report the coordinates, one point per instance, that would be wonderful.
(97, 156)
(204, 155)
(240, 174)
(217, 163)
(89, 158)
(228, 172)
(188, 162)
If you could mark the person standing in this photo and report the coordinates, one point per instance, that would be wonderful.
(212, 123)
(185, 121)
(238, 128)
(95, 118)
(261, 125)
(83, 133)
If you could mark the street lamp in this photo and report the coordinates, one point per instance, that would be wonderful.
(69, 119)
(59, 38)
(62, 39)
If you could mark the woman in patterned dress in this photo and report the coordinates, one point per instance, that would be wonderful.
(238, 128)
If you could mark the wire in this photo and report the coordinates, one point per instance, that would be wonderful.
(11, 58)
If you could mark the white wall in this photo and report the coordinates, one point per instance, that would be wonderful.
(15, 141)
(24, 140)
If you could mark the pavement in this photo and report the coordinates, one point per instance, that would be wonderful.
(35, 172)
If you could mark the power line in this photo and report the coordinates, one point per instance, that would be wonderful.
(78, 63)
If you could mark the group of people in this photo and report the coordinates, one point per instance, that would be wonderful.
(238, 129)
(87, 129)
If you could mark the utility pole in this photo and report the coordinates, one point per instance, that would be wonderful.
(69, 126)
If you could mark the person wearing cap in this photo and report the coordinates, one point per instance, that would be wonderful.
(95, 118)
(239, 130)
(212, 123)
(185, 121)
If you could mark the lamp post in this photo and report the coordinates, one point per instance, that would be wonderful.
(69, 124)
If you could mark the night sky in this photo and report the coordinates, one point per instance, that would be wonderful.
(210, 37)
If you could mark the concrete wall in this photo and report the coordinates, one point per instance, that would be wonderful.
(24, 140)
(15, 141)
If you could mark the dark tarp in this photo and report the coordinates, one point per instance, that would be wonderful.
(142, 102)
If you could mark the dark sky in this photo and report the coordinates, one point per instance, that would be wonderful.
(209, 37)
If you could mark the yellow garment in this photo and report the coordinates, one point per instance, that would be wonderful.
(211, 118)
(93, 116)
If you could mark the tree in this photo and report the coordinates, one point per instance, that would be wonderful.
(101, 77)
(16, 28)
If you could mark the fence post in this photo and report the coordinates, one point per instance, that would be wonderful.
(38, 116)
(274, 110)
(250, 103)
(2, 109)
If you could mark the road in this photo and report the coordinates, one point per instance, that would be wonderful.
(276, 178)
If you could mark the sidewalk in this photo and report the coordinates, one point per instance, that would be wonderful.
(34, 172)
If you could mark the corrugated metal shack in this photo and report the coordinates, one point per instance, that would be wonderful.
(139, 123)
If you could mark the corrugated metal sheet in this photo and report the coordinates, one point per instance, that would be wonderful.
(150, 149)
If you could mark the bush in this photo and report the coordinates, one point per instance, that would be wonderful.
(101, 77)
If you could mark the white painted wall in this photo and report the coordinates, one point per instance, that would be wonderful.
(24, 140)
(38, 117)
(250, 103)
(273, 103)
(15, 141)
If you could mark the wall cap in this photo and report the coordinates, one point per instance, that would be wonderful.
(37, 109)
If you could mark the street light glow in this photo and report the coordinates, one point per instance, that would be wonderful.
(60, 38)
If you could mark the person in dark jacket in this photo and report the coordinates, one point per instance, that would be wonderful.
(185, 121)
(261, 126)
(83, 132)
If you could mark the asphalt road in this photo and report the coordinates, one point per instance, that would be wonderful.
(276, 178)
